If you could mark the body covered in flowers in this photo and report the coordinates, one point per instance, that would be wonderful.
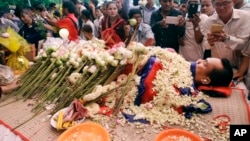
(136, 83)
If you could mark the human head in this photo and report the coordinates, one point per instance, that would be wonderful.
(52, 6)
(136, 14)
(176, 4)
(98, 12)
(224, 8)
(68, 7)
(183, 8)
(213, 72)
(207, 7)
(85, 14)
(151, 2)
(87, 31)
(112, 9)
(238, 3)
(26, 16)
(119, 4)
(166, 5)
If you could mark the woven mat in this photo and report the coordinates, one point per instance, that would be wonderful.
(39, 129)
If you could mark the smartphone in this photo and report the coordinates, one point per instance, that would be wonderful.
(172, 20)
(216, 28)
(193, 8)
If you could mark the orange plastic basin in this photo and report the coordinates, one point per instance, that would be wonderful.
(88, 131)
(176, 135)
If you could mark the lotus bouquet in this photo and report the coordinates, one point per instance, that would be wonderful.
(18, 47)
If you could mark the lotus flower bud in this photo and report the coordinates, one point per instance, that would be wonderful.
(64, 33)
(132, 22)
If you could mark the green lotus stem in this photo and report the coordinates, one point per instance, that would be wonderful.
(26, 84)
(30, 71)
(99, 80)
(62, 101)
(125, 91)
(85, 83)
(47, 96)
(58, 79)
(43, 82)
(37, 68)
(53, 82)
(114, 74)
(36, 80)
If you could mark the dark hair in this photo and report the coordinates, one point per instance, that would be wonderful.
(39, 7)
(221, 77)
(70, 6)
(52, 5)
(111, 2)
(87, 28)
(134, 11)
(87, 14)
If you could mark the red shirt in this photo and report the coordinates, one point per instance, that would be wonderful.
(69, 25)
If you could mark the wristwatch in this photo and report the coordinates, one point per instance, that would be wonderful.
(227, 38)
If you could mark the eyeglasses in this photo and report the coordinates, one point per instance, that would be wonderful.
(224, 4)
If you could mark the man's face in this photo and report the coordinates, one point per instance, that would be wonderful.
(138, 18)
(207, 7)
(223, 7)
(204, 67)
(166, 5)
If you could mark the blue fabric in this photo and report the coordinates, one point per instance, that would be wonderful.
(144, 73)
(190, 109)
(130, 118)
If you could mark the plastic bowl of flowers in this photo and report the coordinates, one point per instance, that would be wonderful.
(88, 131)
(177, 135)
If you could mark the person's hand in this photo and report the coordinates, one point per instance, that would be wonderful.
(238, 76)
(10, 87)
(181, 20)
(221, 36)
(196, 20)
(127, 29)
(163, 23)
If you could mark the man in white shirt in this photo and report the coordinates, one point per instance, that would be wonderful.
(229, 42)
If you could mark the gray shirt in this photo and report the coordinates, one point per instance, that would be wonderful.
(5, 23)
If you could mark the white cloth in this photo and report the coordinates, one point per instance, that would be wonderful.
(238, 29)
(192, 51)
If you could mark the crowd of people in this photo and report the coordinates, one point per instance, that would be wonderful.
(111, 21)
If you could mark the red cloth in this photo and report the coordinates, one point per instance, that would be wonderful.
(148, 82)
(70, 26)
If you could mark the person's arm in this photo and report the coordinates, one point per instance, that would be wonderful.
(242, 68)
(197, 30)
(10, 87)
(149, 36)
(51, 21)
(12, 25)
(181, 27)
(157, 24)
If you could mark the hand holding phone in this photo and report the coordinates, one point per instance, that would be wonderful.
(193, 8)
(216, 28)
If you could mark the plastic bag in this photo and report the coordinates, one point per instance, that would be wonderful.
(18, 47)
(6, 75)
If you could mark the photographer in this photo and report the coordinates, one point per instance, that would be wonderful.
(191, 43)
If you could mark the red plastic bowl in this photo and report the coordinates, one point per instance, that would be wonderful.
(175, 135)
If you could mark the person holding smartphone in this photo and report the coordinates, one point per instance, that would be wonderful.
(191, 43)
(166, 34)
(231, 41)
